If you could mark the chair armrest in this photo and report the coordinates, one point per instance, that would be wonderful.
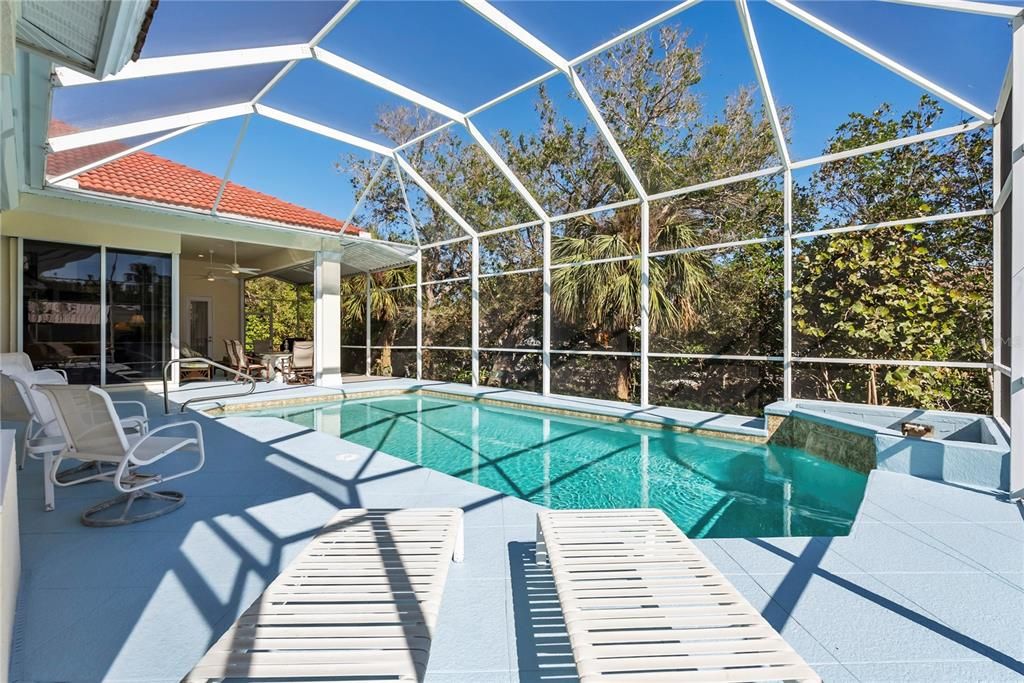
(130, 460)
(140, 404)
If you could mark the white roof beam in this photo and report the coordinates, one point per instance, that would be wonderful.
(320, 129)
(366, 191)
(534, 44)
(320, 35)
(518, 33)
(231, 163)
(433, 194)
(891, 144)
(117, 155)
(180, 64)
(762, 79)
(373, 78)
(408, 209)
(506, 171)
(62, 143)
(881, 59)
(650, 23)
(969, 6)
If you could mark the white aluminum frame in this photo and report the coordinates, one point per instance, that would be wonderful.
(294, 53)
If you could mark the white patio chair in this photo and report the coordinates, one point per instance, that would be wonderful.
(93, 433)
(42, 438)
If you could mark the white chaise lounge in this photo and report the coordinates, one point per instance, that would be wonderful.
(642, 603)
(359, 602)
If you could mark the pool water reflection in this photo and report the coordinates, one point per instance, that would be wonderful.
(714, 488)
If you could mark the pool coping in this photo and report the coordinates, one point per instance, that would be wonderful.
(699, 423)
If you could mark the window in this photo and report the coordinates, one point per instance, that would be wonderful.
(66, 326)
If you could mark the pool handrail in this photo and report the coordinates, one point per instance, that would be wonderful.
(238, 375)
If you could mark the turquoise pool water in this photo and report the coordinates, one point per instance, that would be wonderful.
(713, 488)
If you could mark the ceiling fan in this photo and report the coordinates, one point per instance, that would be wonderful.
(212, 276)
(234, 268)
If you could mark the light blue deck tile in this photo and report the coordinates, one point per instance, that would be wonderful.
(519, 512)
(884, 548)
(981, 671)
(859, 619)
(921, 500)
(48, 621)
(93, 561)
(987, 608)
(471, 628)
(836, 673)
(795, 634)
(994, 546)
(774, 555)
(476, 677)
(486, 556)
(718, 556)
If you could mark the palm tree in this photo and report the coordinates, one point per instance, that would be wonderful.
(386, 309)
(601, 302)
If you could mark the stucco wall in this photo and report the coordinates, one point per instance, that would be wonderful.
(10, 549)
(8, 286)
(224, 295)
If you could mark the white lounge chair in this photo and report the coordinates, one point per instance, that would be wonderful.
(93, 432)
(359, 602)
(642, 603)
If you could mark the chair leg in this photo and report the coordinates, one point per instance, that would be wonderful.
(542, 548)
(170, 501)
(48, 503)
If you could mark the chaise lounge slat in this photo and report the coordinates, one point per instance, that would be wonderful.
(642, 603)
(361, 600)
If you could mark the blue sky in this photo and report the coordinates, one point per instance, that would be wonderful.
(446, 51)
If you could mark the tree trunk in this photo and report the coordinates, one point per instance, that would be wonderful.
(384, 368)
(625, 377)
(872, 399)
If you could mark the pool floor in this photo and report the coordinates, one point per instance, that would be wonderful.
(711, 488)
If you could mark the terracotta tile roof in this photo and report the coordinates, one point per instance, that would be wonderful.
(146, 176)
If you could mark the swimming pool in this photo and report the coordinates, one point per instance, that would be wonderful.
(713, 488)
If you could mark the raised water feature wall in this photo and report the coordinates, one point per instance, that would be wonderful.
(962, 448)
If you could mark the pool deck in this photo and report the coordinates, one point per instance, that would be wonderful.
(929, 586)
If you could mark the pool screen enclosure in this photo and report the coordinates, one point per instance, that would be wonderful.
(763, 268)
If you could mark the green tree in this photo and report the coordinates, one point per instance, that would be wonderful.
(908, 292)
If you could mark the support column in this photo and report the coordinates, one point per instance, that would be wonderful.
(546, 335)
(419, 314)
(645, 302)
(368, 314)
(1016, 274)
(176, 317)
(475, 312)
(327, 319)
(787, 287)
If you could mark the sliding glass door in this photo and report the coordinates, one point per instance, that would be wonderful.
(138, 315)
(101, 315)
(61, 308)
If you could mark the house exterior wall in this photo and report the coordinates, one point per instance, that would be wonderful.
(225, 299)
(8, 288)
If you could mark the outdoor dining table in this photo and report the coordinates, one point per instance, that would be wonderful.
(274, 362)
